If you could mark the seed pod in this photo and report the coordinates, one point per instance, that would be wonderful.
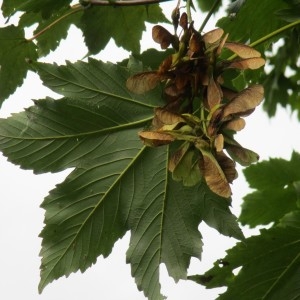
(175, 17)
(242, 50)
(143, 82)
(155, 139)
(183, 22)
(245, 101)
(213, 36)
(162, 36)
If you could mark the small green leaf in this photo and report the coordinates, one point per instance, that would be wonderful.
(270, 266)
(15, 55)
(151, 58)
(280, 86)
(267, 206)
(216, 214)
(276, 192)
(117, 183)
(276, 172)
(124, 24)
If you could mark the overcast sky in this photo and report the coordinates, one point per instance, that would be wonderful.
(21, 219)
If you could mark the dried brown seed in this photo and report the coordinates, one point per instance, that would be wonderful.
(227, 165)
(143, 82)
(247, 63)
(242, 50)
(236, 124)
(165, 117)
(183, 21)
(213, 36)
(214, 93)
(246, 100)
(214, 175)
(219, 142)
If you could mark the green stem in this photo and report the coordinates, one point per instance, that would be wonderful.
(74, 9)
(188, 11)
(274, 33)
(270, 35)
(214, 6)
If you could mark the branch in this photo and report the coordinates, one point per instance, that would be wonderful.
(74, 9)
(121, 2)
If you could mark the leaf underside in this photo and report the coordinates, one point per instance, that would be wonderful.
(270, 265)
(117, 183)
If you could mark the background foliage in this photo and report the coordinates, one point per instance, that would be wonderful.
(118, 184)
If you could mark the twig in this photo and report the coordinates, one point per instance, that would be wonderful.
(121, 2)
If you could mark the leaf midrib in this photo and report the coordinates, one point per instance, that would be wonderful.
(92, 212)
(83, 134)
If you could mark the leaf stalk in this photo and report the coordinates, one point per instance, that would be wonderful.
(270, 35)
(211, 11)
(74, 9)
(274, 33)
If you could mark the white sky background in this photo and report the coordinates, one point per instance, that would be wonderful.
(21, 193)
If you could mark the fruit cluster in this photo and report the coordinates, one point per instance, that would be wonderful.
(200, 111)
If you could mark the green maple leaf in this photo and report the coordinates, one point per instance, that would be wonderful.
(270, 265)
(117, 184)
(278, 81)
(46, 7)
(205, 5)
(124, 24)
(15, 54)
(276, 194)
